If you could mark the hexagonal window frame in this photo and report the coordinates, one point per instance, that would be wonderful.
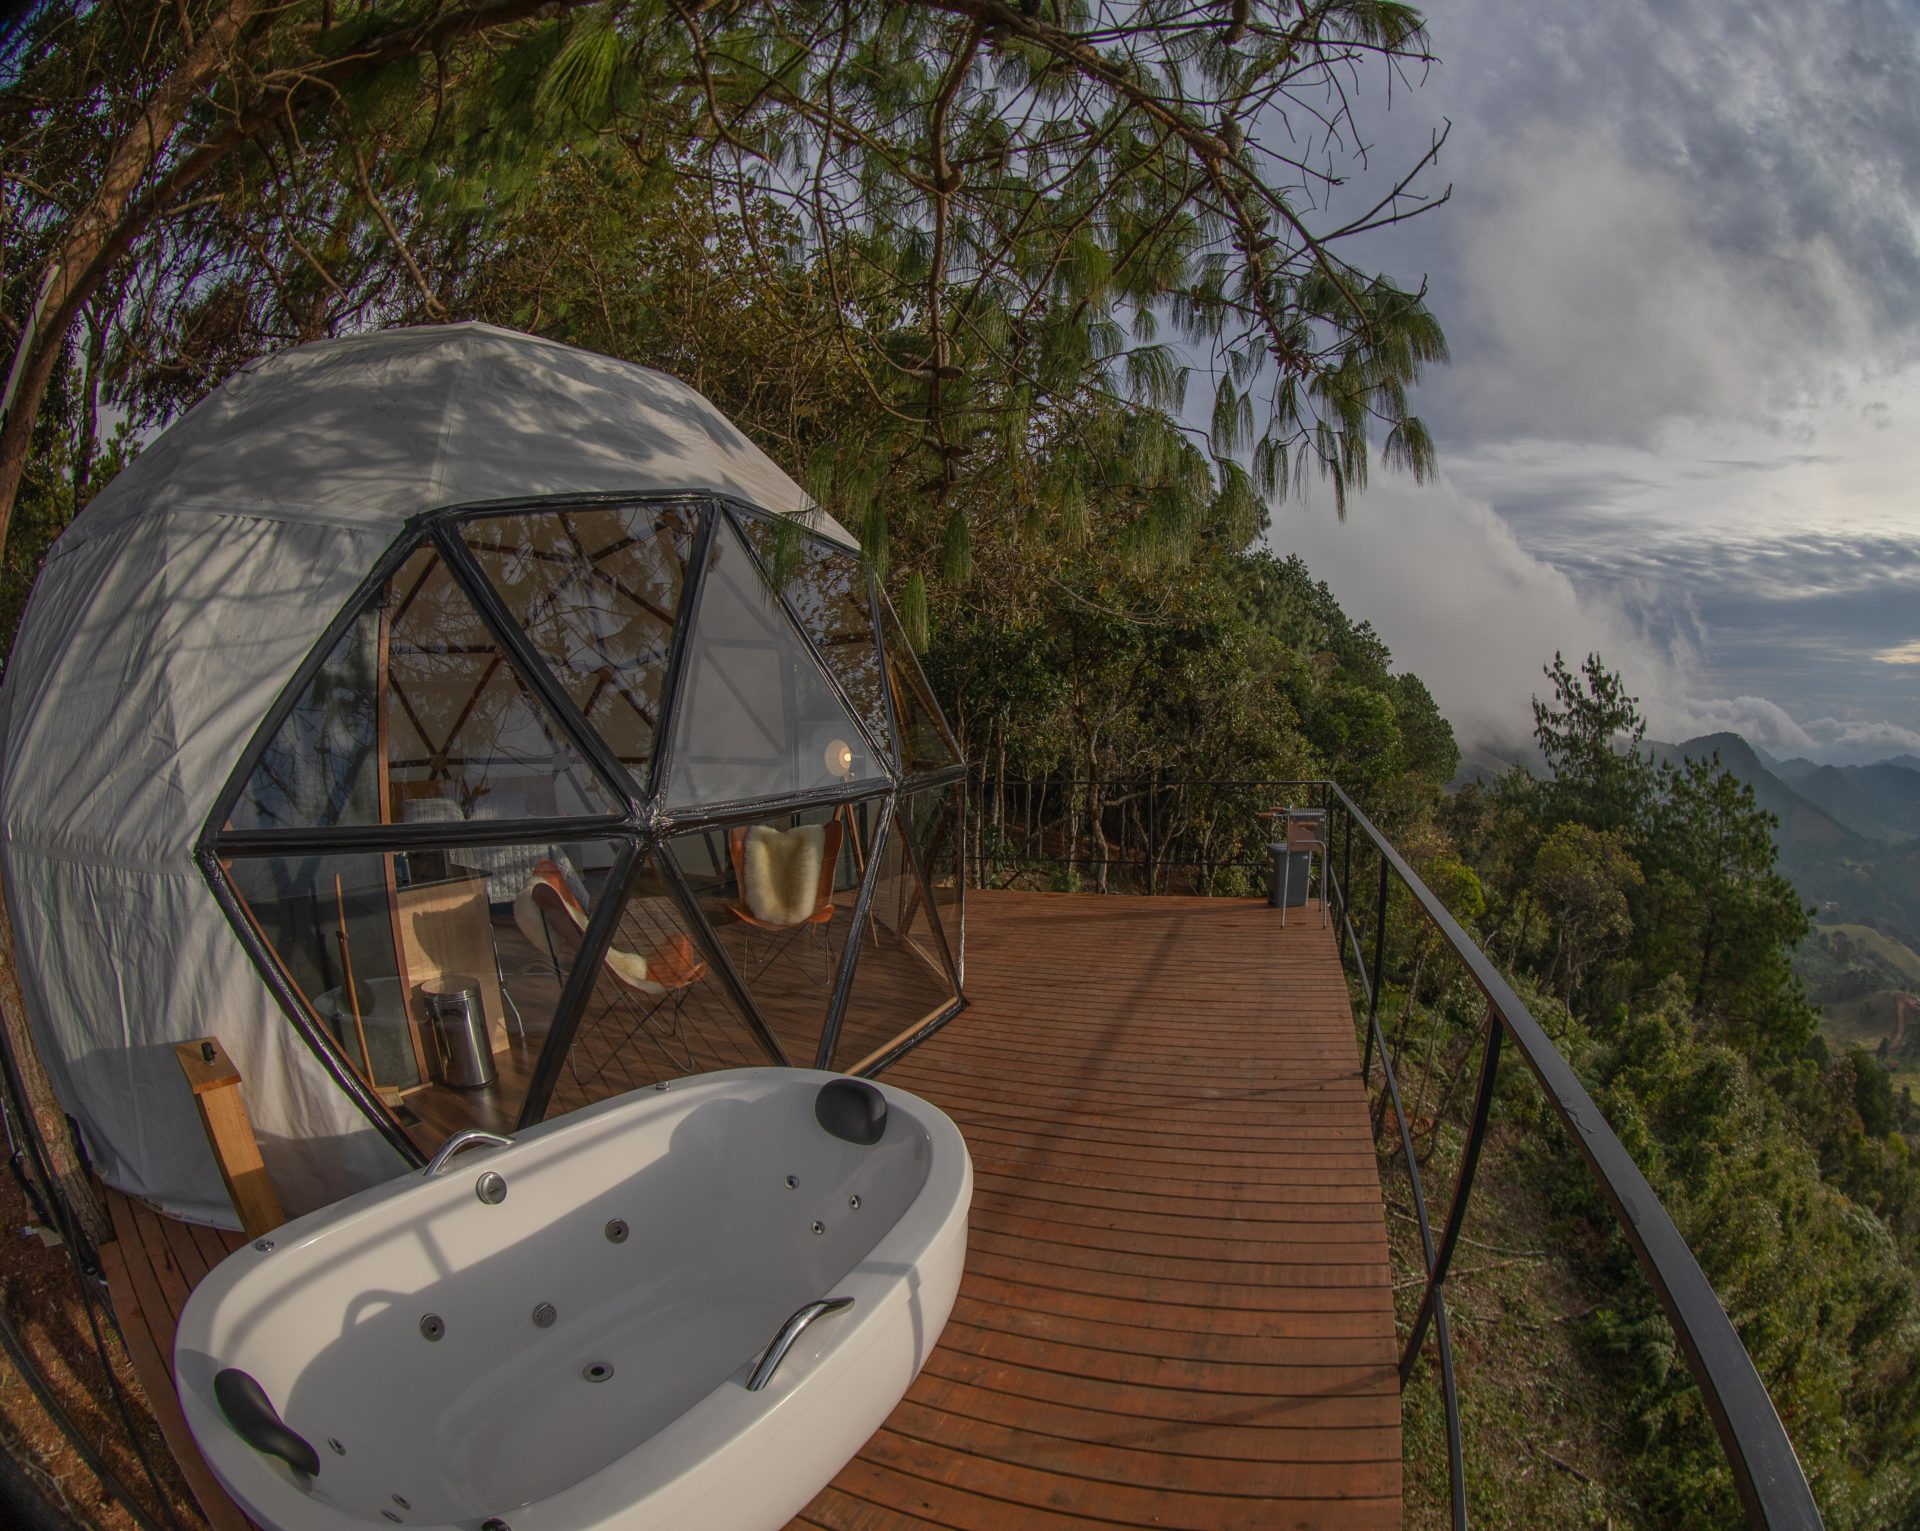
(645, 825)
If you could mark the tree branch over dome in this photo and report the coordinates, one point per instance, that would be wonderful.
(1010, 201)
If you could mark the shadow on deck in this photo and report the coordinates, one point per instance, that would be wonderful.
(1176, 1311)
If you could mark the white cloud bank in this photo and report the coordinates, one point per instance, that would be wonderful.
(1465, 607)
(1596, 308)
(1754, 718)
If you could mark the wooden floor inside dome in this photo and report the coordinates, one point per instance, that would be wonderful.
(1176, 1310)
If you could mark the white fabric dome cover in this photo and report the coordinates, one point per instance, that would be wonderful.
(167, 620)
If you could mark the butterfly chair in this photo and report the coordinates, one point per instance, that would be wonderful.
(549, 912)
(781, 892)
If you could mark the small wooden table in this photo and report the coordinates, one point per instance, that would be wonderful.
(443, 927)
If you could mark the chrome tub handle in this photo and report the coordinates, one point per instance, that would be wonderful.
(791, 1331)
(467, 1137)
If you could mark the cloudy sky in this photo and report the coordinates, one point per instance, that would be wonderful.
(1680, 275)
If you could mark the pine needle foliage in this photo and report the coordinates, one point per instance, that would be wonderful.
(1041, 233)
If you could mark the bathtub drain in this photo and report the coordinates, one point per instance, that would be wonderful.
(544, 1315)
(596, 1371)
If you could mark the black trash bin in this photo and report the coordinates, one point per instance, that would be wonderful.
(1292, 881)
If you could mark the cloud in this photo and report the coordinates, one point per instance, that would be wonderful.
(1754, 718)
(1662, 209)
(1865, 738)
(1464, 606)
(1596, 308)
(1680, 276)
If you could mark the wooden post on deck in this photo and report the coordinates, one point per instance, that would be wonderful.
(216, 1091)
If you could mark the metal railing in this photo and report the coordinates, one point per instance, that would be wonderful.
(1766, 1473)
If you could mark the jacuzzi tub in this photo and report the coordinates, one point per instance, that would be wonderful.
(577, 1353)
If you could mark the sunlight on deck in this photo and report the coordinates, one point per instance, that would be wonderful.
(1177, 1309)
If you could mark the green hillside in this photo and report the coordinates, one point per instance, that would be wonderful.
(1895, 957)
(1858, 977)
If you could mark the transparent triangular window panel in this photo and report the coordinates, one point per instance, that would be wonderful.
(437, 974)
(827, 588)
(901, 980)
(935, 823)
(416, 716)
(778, 894)
(755, 717)
(596, 591)
(925, 743)
(657, 1010)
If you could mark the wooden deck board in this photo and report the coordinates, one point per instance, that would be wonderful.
(146, 1284)
(1176, 1310)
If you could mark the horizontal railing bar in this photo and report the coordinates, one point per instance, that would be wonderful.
(1766, 1470)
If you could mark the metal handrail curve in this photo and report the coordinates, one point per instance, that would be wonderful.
(466, 1137)
(1766, 1472)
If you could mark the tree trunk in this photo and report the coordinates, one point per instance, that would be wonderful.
(88, 438)
(1096, 810)
(75, 269)
(49, 1117)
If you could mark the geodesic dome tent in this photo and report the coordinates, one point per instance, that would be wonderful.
(462, 728)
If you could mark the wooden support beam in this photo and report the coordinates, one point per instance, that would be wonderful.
(215, 1083)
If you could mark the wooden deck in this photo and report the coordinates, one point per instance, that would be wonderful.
(1176, 1309)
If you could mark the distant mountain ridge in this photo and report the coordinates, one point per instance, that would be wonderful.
(1847, 837)
(1802, 818)
(1879, 801)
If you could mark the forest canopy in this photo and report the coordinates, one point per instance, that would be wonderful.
(1017, 237)
(1051, 304)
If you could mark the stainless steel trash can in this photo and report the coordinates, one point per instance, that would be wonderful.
(462, 1051)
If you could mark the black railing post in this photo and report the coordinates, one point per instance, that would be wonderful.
(1346, 855)
(1379, 969)
(1153, 844)
(1462, 1191)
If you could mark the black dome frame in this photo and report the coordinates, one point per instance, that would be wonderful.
(641, 830)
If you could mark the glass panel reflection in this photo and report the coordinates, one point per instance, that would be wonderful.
(436, 994)
(936, 823)
(827, 588)
(417, 714)
(755, 717)
(596, 592)
(657, 1010)
(900, 978)
(779, 896)
(925, 743)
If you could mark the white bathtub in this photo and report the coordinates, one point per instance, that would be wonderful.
(577, 1354)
